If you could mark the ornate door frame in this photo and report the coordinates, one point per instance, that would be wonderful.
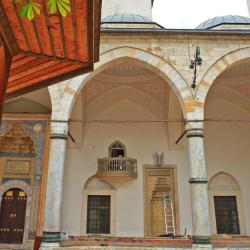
(155, 169)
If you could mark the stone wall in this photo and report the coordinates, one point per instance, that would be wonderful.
(168, 55)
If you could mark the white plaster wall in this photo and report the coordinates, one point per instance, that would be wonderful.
(142, 141)
(111, 7)
(227, 147)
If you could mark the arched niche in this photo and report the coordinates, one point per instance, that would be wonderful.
(223, 181)
(95, 187)
(224, 192)
(95, 183)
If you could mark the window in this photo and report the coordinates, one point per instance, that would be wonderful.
(117, 149)
(98, 214)
(226, 213)
(226, 206)
(99, 208)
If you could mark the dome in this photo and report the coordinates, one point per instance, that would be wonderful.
(220, 20)
(126, 18)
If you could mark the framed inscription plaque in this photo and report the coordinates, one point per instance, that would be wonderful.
(17, 167)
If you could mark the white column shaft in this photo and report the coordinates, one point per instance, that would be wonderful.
(198, 183)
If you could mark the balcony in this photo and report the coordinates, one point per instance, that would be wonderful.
(117, 170)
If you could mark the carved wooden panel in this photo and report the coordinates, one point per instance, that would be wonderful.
(160, 181)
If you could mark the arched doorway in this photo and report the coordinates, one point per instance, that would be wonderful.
(12, 216)
(226, 147)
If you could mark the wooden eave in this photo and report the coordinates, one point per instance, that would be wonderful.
(50, 48)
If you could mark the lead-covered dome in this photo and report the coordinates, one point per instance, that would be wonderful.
(126, 18)
(128, 21)
(229, 22)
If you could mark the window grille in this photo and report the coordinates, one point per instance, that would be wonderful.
(98, 215)
(226, 215)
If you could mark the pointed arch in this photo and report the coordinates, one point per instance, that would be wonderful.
(94, 183)
(157, 64)
(217, 69)
(223, 181)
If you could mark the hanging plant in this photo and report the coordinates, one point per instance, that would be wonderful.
(30, 8)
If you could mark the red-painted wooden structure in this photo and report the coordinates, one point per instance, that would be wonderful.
(48, 49)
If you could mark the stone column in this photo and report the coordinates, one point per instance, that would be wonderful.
(198, 183)
(52, 222)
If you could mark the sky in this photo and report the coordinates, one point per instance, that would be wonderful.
(190, 13)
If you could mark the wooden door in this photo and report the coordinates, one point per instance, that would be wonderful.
(12, 216)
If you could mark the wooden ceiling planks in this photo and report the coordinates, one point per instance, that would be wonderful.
(50, 48)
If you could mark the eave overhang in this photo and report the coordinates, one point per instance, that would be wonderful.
(50, 48)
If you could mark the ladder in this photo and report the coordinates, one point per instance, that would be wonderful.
(169, 217)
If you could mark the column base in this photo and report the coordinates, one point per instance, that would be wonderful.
(51, 238)
(201, 240)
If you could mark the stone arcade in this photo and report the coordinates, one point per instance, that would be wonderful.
(89, 176)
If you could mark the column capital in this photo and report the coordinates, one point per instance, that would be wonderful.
(194, 128)
(59, 129)
(195, 122)
(195, 133)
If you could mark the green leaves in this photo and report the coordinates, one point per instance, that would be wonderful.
(29, 8)
(62, 5)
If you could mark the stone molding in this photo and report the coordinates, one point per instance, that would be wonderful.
(201, 240)
(59, 136)
(194, 130)
(198, 181)
(51, 237)
(59, 129)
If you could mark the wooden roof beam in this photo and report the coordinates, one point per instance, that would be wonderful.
(5, 63)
